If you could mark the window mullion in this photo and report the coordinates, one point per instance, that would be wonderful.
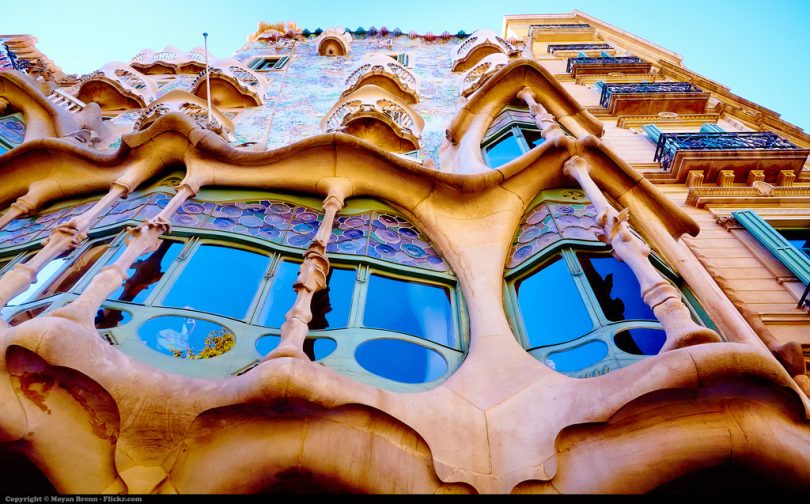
(264, 289)
(359, 296)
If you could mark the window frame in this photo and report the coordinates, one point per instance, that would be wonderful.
(261, 63)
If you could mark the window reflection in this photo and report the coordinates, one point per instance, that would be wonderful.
(186, 338)
(578, 358)
(72, 274)
(44, 275)
(220, 280)
(412, 308)
(109, 318)
(503, 151)
(552, 307)
(281, 296)
(616, 288)
(27, 315)
(330, 307)
(146, 272)
(401, 361)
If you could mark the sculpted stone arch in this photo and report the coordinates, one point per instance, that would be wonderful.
(232, 85)
(334, 42)
(117, 87)
(476, 47)
(386, 73)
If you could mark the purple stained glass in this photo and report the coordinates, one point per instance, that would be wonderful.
(299, 240)
(250, 221)
(224, 223)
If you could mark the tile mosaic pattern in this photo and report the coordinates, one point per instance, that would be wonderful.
(381, 235)
(548, 223)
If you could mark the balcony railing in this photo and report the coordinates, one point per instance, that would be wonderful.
(670, 143)
(618, 60)
(609, 90)
(576, 26)
(576, 47)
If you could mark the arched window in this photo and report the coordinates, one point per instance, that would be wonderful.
(512, 134)
(574, 306)
(211, 299)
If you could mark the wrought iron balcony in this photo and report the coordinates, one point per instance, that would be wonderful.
(670, 143)
(576, 47)
(618, 60)
(608, 90)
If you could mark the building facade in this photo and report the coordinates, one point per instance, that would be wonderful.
(547, 260)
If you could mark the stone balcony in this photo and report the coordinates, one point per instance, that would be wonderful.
(651, 98)
(383, 71)
(170, 60)
(334, 42)
(116, 87)
(478, 75)
(733, 154)
(603, 65)
(232, 85)
(192, 106)
(377, 116)
(476, 47)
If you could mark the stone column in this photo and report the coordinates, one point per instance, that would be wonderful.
(142, 239)
(545, 122)
(311, 276)
(63, 238)
(664, 299)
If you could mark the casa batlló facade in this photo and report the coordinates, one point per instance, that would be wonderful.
(546, 260)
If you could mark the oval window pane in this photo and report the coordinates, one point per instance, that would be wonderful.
(616, 288)
(109, 318)
(220, 280)
(641, 341)
(318, 348)
(552, 308)
(401, 361)
(145, 272)
(185, 337)
(412, 308)
(577, 358)
(266, 344)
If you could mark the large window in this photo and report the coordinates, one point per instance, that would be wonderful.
(512, 134)
(574, 306)
(12, 131)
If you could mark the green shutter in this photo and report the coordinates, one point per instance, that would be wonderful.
(653, 132)
(711, 128)
(794, 259)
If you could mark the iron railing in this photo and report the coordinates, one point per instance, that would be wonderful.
(576, 47)
(617, 60)
(670, 143)
(609, 90)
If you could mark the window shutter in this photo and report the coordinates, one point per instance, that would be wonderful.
(653, 132)
(711, 128)
(280, 63)
(794, 259)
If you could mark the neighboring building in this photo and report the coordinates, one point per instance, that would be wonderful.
(547, 260)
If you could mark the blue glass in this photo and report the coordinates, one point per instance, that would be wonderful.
(181, 337)
(331, 306)
(281, 296)
(504, 150)
(71, 275)
(577, 358)
(616, 288)
(220, 280)
(44, 275)
(401, 361)
(145, 272)
(533, 137)
(641, 341)
(108, 318)
(266, 344)
(552, 308)
(412, 308)
(799, 238)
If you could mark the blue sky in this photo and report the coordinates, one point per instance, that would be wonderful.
(758, 49)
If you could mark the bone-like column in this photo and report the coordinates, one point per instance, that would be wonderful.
(664, 299)
(311, 276)
(549, 129)
(142, 239)
(63, 238)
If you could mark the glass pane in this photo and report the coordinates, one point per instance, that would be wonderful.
(44, 275)
(145, 272)
(799, 238)
(503, 151)
(73, 273)
(330, 307)
(641, 341)
(219, 280)
(267, 344)
(108, 318)
(616, 288)
(552, 308)
(27, 315)
(533, 137)
(578, 358)
(318, 348)
(281, 296)
(186, 338)
(412, 308)
(401, 361)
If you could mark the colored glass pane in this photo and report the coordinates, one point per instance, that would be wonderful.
(78, 267)
(281, 296)
(145, 272)
(43, 277)
(220, 280)
(616, 288)
(504, 150)
(533, 137)
(578, 358)
(410, 307)
(186, 338)
(641, 341)
(109, 318)
(552, 308)
(401, 361)
(331, 306)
